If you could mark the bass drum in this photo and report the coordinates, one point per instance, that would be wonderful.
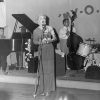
(92, 59)
(84, 49)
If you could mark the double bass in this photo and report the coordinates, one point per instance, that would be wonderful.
(75, 62)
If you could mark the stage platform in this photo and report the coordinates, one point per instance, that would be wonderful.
(72, 79)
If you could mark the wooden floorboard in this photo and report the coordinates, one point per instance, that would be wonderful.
(71, 80)
(10, 91)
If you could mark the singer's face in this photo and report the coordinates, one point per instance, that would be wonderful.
(66, 23)
(42, 21)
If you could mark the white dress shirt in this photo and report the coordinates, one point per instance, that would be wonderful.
(64, 32)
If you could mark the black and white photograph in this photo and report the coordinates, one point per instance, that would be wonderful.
(49, 50)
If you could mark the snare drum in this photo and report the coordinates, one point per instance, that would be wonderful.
(84, 49)
(92, 59)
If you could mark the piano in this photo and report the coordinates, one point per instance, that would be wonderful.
(17, 42)
(19, 38)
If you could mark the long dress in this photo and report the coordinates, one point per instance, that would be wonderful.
(46, 63)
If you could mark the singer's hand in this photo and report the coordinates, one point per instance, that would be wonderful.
(44, 41)
(49, 40)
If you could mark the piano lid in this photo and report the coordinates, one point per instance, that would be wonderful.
(26, 21)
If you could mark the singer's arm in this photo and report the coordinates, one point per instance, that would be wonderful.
(53, 36)
(36, 37)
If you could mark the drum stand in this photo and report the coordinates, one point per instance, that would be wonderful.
(93, 58)
(90, 60)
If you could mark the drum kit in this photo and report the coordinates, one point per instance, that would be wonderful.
(90, 53)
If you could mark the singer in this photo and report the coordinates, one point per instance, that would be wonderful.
(44, 36)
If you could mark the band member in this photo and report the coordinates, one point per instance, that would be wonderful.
(44, 36)
(63, 36)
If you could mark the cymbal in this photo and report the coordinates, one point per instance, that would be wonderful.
(89, 39)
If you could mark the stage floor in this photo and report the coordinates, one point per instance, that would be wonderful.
(78, 76)
(9, 91)
(72, 79)
(70, 75)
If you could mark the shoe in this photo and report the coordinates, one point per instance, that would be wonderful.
(68, 68)
(63, 55)
(47, 94)
(42, 94)
(4, 72)
(34, 95)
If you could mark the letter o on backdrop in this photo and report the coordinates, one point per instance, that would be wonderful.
(89, 9)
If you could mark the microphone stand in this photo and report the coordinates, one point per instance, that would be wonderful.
(40, 64)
